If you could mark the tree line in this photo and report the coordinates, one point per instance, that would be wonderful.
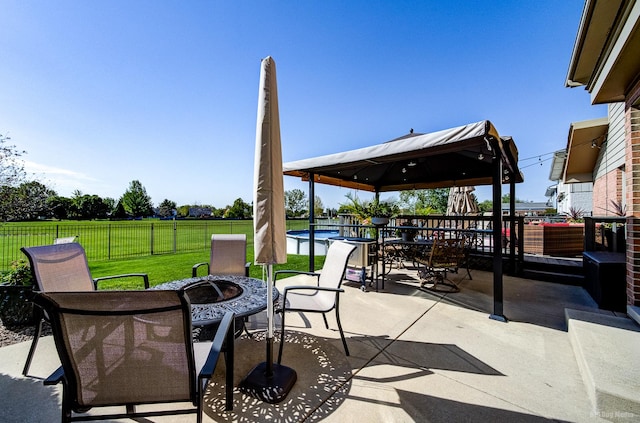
(22, 200)
(31, 200)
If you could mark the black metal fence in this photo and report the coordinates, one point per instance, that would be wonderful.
(106, 241)
(120, 240)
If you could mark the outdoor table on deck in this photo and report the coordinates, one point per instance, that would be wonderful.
(418, 251)
(252, 299)
(401, 251)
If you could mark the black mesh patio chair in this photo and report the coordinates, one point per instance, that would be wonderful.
(322, 297)
(62, 268)
(128, 348)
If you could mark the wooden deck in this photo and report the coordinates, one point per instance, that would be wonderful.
(565, 270)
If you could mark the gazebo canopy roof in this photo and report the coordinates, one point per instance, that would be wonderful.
(452, 157)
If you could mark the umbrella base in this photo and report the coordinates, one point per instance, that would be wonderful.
(272, 389)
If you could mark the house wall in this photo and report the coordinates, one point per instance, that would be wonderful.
(617, 171)
(562, 198)
(609, 171)
(581, 197)
(606, 189)
(632, 129)
(578, 196)
(612, 152)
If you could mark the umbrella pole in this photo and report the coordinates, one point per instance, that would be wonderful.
(268, 381)
(270, 315)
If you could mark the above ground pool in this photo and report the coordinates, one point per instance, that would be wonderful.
(298, 241)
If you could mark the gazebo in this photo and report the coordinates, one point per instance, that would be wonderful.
(472, 154)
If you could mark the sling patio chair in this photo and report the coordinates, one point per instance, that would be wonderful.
(65, 240)
(129, 348)
(228, 256)
(322, 297)
(60, 268)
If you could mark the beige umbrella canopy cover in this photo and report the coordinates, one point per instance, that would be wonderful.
(268, 381)
(270, 242)
(462, 201)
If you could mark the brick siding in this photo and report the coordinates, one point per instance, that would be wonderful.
(605, 189)
(632, 165)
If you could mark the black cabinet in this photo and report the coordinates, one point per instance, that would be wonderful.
(605, 279)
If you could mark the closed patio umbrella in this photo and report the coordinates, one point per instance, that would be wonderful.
(268, 381)
(462, 201)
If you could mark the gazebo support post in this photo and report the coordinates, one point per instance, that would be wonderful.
(498, 313)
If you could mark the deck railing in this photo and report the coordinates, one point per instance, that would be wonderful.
(605, 233)
(431, 225)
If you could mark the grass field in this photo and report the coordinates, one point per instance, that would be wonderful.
(166, 250)
(169, 267)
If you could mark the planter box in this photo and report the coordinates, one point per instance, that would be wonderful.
(554, 239)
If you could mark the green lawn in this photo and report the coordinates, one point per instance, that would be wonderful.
(169, 267)
(111, 241)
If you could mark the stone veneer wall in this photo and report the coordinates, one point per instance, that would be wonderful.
(632, 166)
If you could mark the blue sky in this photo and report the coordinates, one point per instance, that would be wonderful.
(100, 93)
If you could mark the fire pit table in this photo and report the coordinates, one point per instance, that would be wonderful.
(212, 296)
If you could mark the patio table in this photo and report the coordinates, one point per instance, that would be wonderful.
(401, 251)
(418, 251)
(251, 299)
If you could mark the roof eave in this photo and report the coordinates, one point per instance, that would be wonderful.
(604, 58)
(583, 145)
(578, 45)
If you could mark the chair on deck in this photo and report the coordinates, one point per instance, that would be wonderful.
(322, 297)
(62, 268)
(126, 348)
(64, 240)
(447, 255)
(469, 243)
(506, 238)
(228, 256)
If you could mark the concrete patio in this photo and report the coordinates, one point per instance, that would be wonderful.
(416, 356)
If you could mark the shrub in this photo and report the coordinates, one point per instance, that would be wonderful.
(15, 290)
(19, 274)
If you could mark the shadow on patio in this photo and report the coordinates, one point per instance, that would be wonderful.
(415, 356)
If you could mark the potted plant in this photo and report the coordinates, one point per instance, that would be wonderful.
(15, 290)
(381, 211)
(406, 231)
(576, 215)
(374, 212)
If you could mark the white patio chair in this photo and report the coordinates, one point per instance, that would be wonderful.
(322, 297)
